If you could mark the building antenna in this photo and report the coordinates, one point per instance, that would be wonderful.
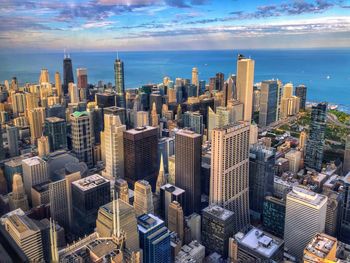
(117, 54)
(64, 52)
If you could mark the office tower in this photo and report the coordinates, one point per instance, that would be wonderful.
(18, 103)
(156, 98)
(230, 89)
(315, 142)
(230, 167)
(168, 194)
(255, 246)
(219, 81)
(288, 90)
(82, 78)
(142, 119)
(106, 99)
(128, 223)
(161, 180)
(345, 221)
(44, 76)
(302, 140)
(27, 236)
(18, 197)
(256, 100)
(140, 155)
(67, 73)
(81, 136)
(268, 102)
(60, 194)
(195, 76)
(217, 228)
(222, 117)
(261, 176)
(36, 120)
(305, 217)
(154, 239)
(188, 152)
(40, 194)
(43, 146)
(56, 131)
(117, 111)
(34, 172)
(3, 183)
(176, 221)
(346, 163)
(88, 194)
(274, 213)
(300, 92)
(113, 147)
(58, 84)
(73, 93)
(254, 133)
(166, 147)
(334, 212)
(154, 116)
(321, 248)
(143, 199)
(12, 140)
(211, 122)
(294, 158)
(193, 120)
(119, 82)
(122, 190)
(245, 82)
(290, 104)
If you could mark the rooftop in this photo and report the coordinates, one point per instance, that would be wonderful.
(188, 133)
(89, 182)
(54, 119)
(43, 187)
(36, 160)
(139, 130)
(321, 245)
(78, 114)
(146, 222)
(173, 189)
(22, 223)
(259, 241)
(306, 196)
(218, 212)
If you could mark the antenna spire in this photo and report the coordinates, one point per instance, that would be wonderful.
(114, 232)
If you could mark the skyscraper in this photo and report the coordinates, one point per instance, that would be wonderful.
(229, 178)
(12, 140)
(67, 73)
(300, 92)
(193, 120)
(44, 76)
(58, 84)
(195, 76)
(245, 82)
(56, 130)
(176, 219)
(73, 93)
(43, 146)
(274, 214)
(315, 143)
(122, 190)
(154, 116)
(113, 147)
(143, 199)
(346, 163)
(219, 81)
(36, 120)
(268, 102)
(18, 197)
(188, 158)
(140, 155)
(81, 136)
(168, 194)
(261, 176)
(119, 82)
(161, 180)
(305, 217)
(345, 221)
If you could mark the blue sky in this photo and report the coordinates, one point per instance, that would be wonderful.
(109, 25)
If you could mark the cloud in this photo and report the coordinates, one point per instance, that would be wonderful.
(101, 24)
(23, 23)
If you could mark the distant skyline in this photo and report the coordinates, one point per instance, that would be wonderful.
(129, 25)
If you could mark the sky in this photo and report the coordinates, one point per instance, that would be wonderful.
(110, 25)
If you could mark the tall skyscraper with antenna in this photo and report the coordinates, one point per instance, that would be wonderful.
(67, 72)
(119, 82)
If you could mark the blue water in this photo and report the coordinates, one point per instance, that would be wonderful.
(309, 67)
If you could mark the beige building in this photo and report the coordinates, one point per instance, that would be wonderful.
(321, 249)
(176, 219)
(43, 146)
(294, 157)
(36, 120)
(195, 76)
(18, 197)
(143, 199)
(58, 84)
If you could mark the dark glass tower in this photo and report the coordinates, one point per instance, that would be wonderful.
(119, 82)
(67, 73)
(268, 102)
(315, 143)
(300, 92)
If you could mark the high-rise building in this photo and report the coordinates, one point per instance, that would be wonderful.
(305, 217)
(334, 212)
(154, 116)
(217, 228)
(122, 189)
(168, 194)
(322, 248)
(268, 102)
(73, 93)
(34, 172)
(140, 155)
(12, 140)
(88, 194)
(161, 180)
(302, 140)
(229, 178)
(82, 78)
(81, 136)
(67, 73)
(58, 84)
(219, 81)
(44, 76)
(18, 197)
(195, 76)
(274, 214)
(346, 163)
(289, 104)
(261, 175)
(315, 143)
(188, 152)
(27, 236)
(300, 92)
(113, 147)
(142, 119)
(345, 221)
(36, 120)
(56, 130)
(143, 198)
(245, 82)
(193, 120)
(117, 111)
(119, 82)
(294, 159)
(154, 239)
(18, 103)
(176, 219)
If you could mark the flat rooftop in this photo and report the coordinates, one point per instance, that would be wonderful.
(188, 133)
(36, 160)
(173, 189)
(260, 242)
(218, 212)
(22, 223)
(321, 245)
(146, 222)
(90, 182)
(139, 130)
(43, 187)
(306, 196)
(54, 119)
